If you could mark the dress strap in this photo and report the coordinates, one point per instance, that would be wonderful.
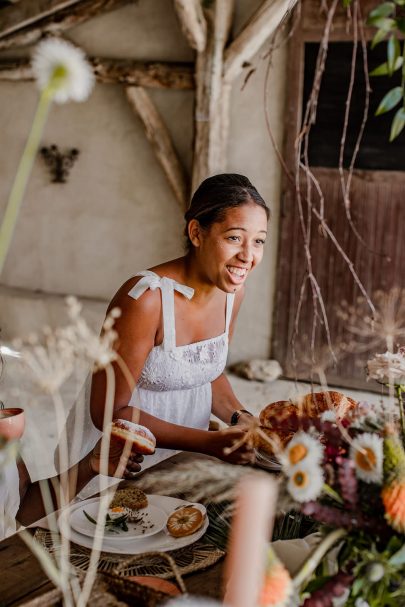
(230, 298)
(167, 286)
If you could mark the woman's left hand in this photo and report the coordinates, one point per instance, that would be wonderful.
(127, 468)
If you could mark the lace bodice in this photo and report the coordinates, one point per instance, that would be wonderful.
(170, 367)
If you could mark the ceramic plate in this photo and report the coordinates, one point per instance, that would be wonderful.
(160, 542)
(151, 521)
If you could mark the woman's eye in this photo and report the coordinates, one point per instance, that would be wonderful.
(260, 241)
(234, 238)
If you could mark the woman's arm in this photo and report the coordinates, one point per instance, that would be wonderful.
(31, 503)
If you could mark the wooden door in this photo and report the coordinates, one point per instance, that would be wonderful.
(377, 203)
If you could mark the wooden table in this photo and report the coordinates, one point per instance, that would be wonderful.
(21, 577)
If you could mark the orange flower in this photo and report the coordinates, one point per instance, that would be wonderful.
(277, 585)
(393, 497)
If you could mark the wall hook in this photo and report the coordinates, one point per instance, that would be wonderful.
(59, 163)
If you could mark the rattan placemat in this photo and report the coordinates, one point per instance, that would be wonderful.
(191, 558)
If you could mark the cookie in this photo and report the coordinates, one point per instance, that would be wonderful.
(131, 497)
(185, 521)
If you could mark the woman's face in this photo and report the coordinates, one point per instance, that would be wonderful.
(229, 249)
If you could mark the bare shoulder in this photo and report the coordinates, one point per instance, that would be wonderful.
(149, 302)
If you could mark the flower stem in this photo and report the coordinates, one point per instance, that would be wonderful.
(23, 172)
(313, 561)
(399, 390)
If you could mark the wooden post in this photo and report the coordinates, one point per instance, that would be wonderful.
(159, 136)
(116, 71)
(192, 22)
(208, 114)
(57, 22)
(259, 28)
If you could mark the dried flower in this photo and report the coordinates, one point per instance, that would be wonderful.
(62, 69)
(302, 448)
(305, 482)
(277, 588)
(366, 451)
(388, 368)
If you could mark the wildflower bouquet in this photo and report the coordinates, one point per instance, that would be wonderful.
(348, 474)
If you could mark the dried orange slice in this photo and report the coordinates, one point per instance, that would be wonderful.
(185, 521)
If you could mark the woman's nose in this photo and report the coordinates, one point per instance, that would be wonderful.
(246, 253)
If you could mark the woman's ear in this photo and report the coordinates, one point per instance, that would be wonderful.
(194, 232)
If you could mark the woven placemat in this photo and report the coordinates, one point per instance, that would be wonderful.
(194, 557)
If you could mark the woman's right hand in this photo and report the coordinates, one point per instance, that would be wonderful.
(230, 446)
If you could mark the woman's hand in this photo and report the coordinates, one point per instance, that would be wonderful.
(120, 467)
(230, 446)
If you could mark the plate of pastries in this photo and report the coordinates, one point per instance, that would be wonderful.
(280, 420)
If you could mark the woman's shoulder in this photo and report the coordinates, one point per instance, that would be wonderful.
(149, 302)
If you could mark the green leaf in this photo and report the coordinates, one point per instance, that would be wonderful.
(379, 37)
(89, 518)
(390, 100)
(401, 23)
(382, 23)
(382, 70)
(386, 9)
(357, 586)
(399, 557)
(393, 52)
(346, 3)
(397, 124)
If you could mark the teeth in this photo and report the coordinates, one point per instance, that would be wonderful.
(237, 271)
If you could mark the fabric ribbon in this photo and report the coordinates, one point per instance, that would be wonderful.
(152, 281)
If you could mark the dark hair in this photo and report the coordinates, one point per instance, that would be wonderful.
(217, 194)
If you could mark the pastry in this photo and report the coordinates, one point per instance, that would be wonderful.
(185, 521)
(141, 438)
(130, 497)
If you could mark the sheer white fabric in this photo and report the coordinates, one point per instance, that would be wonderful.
(9, 498)
(175, 383)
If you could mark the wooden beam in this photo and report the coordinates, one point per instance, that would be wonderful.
(208, 114)
(59, 22)
(259, 28)
(27, 12)
(159, 136)
(192, 22)
(116, 71)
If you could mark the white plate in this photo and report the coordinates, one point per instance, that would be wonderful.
(161, 542)
(153, 521)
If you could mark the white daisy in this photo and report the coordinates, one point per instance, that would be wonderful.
(366, 452)
(305, 482)
(63, 69)
(303, 448)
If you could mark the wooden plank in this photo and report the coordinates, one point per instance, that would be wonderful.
(192, 22)
(60, 22)
(27, 12)
(258, 29)
(208, 115)
(159, 137)
(116, 71)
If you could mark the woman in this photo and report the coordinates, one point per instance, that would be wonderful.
(175, 324)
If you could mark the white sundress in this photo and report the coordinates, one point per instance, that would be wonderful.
(175, 382)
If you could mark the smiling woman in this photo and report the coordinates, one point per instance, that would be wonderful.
(175, 326)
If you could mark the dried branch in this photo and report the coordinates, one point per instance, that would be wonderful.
(159, 136)
(192, 22)
(28, 12)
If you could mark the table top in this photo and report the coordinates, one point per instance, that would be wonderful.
(21, 576)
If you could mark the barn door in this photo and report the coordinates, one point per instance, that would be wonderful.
(375, 243)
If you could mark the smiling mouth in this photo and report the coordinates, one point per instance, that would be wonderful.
(237, 273)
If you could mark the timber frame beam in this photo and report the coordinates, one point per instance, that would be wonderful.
(217, 65)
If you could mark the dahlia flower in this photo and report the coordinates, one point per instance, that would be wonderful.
(277, 588)
(393, 492)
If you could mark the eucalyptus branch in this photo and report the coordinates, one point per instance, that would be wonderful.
(313, 561)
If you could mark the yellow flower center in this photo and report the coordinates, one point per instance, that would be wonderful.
(366, 459)
(297, 453)
(300, 479)
(59, 76)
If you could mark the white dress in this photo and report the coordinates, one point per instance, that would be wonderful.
(175, 382)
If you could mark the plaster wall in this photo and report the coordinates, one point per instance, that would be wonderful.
(117, 215)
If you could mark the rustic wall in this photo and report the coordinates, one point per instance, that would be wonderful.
(116, 215)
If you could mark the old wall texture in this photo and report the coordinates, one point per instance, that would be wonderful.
(117, 215)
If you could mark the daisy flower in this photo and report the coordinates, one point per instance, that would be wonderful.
(302, 448)
(63, 70)
(366, 452)
(305, 482)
